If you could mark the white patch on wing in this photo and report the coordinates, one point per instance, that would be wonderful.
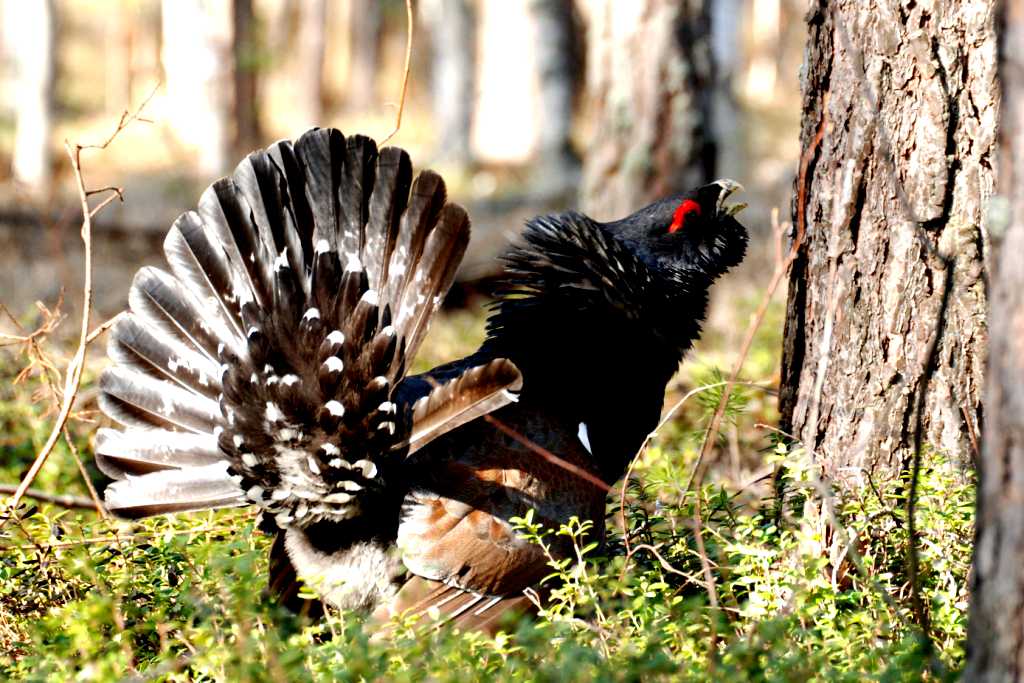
(584, 437)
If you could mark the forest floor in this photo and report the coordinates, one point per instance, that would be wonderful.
(181, 598)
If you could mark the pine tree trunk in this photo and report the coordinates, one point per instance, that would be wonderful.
(556, 168)
(30, 29)
(650, 80)
(365, 22)
(196, 55)
(995, 638)
(885, 332)
(245, 48)
(311, 47)
(453, 30)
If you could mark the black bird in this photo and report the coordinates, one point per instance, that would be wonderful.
(268, 368)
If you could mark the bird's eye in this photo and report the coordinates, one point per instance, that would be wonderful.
(687, 209)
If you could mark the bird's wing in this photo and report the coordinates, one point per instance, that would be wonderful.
(456, 525)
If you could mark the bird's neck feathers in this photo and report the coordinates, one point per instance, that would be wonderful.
(570, 282)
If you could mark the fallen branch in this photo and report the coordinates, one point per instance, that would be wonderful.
(64, 501)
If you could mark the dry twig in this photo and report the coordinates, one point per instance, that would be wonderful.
(64, 501)
(73, 374)
(405, 73)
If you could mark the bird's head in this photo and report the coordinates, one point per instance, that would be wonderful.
(653, 267)
(695, 233)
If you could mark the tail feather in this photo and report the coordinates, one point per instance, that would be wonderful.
(166, 307)
(354, 193)
(387, 204)
(320, 152)
(134, 346)
(263, 367)
(428, 283)
(203, 269)
(119, 454)
(136, 399)
(176, 490)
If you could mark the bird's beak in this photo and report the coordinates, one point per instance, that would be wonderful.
(728, 187)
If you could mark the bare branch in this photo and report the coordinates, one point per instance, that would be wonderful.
(73, 375)
(405, 75)
(64, 501)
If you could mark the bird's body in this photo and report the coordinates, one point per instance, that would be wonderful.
(269, 368)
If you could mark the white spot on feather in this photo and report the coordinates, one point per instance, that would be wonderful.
(335, 408)
(337, 498)
(289, 380)
(331, 449)
(371, 297)
(322, 246)
(584, 437)
(255, 494)
(388, 331)
(274, 413)
(237, 439)
(336, 337)
(368, 468)
(389, 427)
(311, 314)
(387, 407)
(282, 260)
(337, 463)
(334, 364)
(353, 262)
(280, 494)
(249, 460)
(313, 466)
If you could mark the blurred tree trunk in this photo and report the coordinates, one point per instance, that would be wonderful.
(995, 638)
(30, 28)
(557, 168)
(885, 336)
(311, 46)
(650, 78)
(452, 25)
(245, 50)
(727, 121)
(365, 23)
(196, 54)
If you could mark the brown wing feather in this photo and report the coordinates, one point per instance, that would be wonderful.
(458, 530)
(437, 604)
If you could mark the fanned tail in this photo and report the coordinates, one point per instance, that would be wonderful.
(262, 367)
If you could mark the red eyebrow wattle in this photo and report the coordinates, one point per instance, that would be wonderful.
(685, 208)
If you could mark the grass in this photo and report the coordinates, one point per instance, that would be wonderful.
(181, 598)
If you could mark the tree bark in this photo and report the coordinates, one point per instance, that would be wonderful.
(312, 46)
(885, 334)
(995, 637)
(365, 23)
(245, 49)
(650, 79)
(452, 25)
(196, 56)
(556, 166)
(30, 28)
